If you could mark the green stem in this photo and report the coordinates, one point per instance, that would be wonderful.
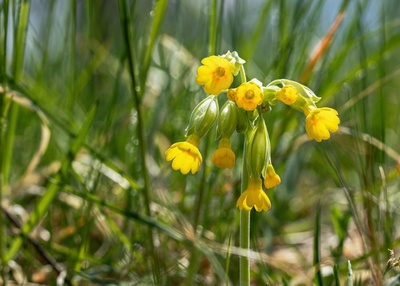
(244, 226)
(4, 105)
(242, 74)
(212, 44)
(137, 95)
(245, 245)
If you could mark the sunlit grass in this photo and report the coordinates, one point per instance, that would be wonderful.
(94, 92)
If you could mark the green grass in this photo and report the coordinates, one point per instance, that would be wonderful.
(93, 93)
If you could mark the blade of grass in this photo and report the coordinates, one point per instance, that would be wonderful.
(258, 31)
(212, 41)
(316, 247)
(336, 275)
(195, 254)
(9, 142)
(349, 281)
(53, 187)
(228, 260)
(20, 37)
(137, 97)
(321, 48)
(71, 99)
(158, 17)
(4, 106)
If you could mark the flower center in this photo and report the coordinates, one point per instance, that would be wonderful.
(249, 95)
(220, 71)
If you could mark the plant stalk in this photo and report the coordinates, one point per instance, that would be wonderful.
(244, 228)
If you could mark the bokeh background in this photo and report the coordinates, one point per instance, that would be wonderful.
(94, 92)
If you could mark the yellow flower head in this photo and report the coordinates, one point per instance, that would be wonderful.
(288, 94)
(271, 179)
(216, 74)
(321, 121)
(249, 96)
(185, 156)
(224, 157)
(254, 196)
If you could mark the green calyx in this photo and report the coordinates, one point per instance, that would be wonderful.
(203, 117)
(258, 146)
(227, 120)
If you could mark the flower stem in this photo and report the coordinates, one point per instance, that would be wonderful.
(242, 74)
(245, 245)
(244, 227)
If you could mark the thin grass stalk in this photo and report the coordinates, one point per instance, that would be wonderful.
(8, 135)
(72, 43)
(388, 222)
(20, 38)
(368, 172)
(137, 96)
(17, 67)
(159, 12)
(9, 141)
(4, 105)
(336, 275)
(316, 247)
(228, 260)
(125, 21)
(212, 42)
(195, 253)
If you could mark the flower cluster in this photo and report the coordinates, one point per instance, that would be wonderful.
(243, 113)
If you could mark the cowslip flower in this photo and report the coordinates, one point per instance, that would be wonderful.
(320, 122)
(185, 156)
(254, 196)
(288, 95)
(224, 157)
(216, 74)
(249, 95)
(271, 179)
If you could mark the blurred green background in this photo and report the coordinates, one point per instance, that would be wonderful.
(94, 92)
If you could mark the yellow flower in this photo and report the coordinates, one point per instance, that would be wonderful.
(271, 179)
(185, 156)
(254, 196)
(321, 121)
(288, 95)
(224, 157)
(249, 96)
(216, 74)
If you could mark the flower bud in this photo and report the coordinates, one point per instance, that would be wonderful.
(257, 148)
(203, 116)
(241, 125)
(227, 120)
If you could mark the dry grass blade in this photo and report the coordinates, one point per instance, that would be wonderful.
(45, 132)
(321, 48)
